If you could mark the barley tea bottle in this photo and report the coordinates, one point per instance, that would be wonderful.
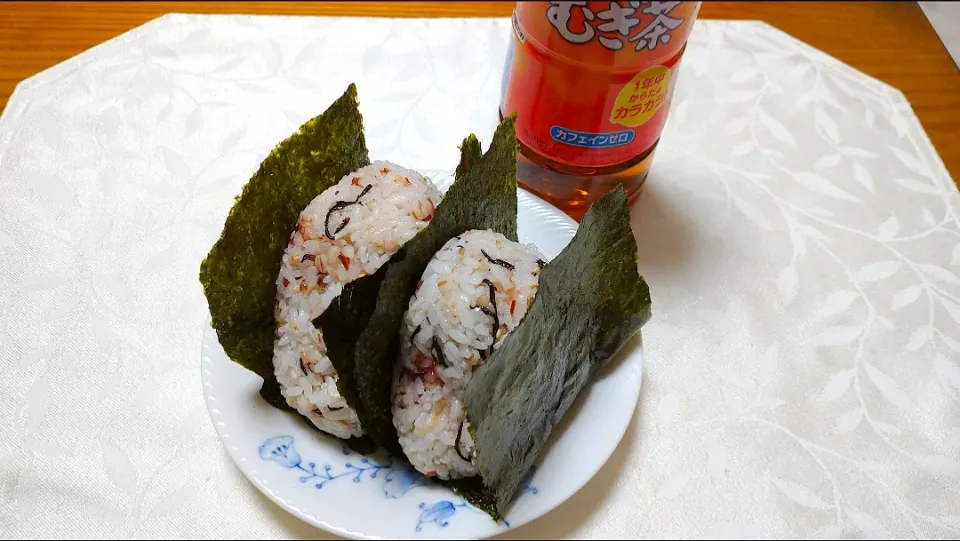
(591, 83)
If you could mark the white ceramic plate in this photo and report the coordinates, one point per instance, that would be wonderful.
(317, 479)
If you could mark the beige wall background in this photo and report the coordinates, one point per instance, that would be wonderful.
(945, 18)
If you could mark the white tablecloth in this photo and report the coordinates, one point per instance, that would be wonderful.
(798, 231)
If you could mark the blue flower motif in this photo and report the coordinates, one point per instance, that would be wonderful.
(437, 513)
(398, 482)
(280, 449)
(397, 478)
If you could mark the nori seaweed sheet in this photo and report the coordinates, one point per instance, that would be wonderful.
(591, 299)
(240, 271)
(483, 196)
(341, 324)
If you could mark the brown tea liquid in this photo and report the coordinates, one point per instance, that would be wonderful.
(591, 85)
(573, 189)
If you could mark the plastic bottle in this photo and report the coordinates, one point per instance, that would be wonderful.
(591, 84)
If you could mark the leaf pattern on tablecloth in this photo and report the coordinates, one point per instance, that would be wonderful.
(831, 229)
(798, 231)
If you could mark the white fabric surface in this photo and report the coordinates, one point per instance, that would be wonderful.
(798, 231)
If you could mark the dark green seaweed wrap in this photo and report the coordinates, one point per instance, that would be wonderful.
(483, 196)
(239, 273)
(590, 301)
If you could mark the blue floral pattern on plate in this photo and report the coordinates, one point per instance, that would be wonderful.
(397, 480)
(438, 513)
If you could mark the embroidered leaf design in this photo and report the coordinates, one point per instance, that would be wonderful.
(827, 161)
(952, 308)
(918, 338)
(667, 409)
(941, 274)
(837, 302)
(848, 422)
(877, 271)
(178, 499)
(735, 126)
(889, 228)
(768, 364)
(861, 175)
(753, 213)
(886, 428)
(776, 128)
(741, 149)
(800, 495)
(119, 469)
(193, 122)
(906, 297)
(836, 336)
(888, 387)
(823, 186)
(175, 164)
(827, 125)
(837, 386)
(743, 74)
(868, 525)
(231, 140)
(917, 186)
(914, 164)
(675, 486)
(717, 458)
(857, 152)
(787, 284)
(942, 466)
(947, 370)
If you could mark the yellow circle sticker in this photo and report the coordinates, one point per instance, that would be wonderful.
(641, 98)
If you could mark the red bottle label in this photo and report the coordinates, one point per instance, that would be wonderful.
(591, 81)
